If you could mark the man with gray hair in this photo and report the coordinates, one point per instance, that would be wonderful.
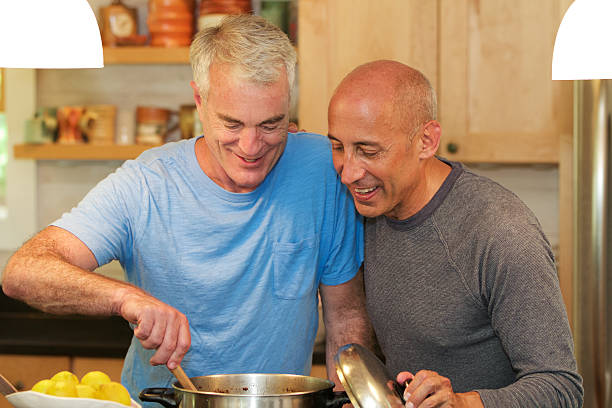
(226, 238)
(460, 280)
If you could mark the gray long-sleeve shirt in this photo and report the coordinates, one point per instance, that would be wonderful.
(467, 287)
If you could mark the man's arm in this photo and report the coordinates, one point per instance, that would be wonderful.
(53, 272)
(346, 320)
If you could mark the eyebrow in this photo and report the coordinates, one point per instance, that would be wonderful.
(363, 143)
(273, 119)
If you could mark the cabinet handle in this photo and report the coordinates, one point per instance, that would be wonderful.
(452, 147)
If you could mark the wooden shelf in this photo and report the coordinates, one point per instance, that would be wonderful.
(146, 55)
(78, 151)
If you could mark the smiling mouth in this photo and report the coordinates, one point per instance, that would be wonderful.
(250, 161)
(364, 193)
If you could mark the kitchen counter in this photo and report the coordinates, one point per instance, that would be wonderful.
(29, 331)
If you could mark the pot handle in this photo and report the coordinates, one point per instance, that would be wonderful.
(164, 396)
(400, 388)
(340, 398)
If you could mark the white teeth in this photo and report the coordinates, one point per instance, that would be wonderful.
(364, 190)
(250, 161)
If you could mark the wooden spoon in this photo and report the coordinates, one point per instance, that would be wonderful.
(6, 387)
(183, 379)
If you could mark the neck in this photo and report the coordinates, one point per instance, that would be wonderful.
(433, 173)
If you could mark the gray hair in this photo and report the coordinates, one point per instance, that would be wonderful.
(255, 46)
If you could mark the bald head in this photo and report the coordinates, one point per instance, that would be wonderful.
(392, 88)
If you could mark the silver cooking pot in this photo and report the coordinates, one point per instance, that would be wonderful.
(250, 390)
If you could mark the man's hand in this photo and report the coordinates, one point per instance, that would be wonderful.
(428, 389)
(293, 128)
(158, 326)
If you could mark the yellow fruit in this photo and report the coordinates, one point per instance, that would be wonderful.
(62, 389)
(65, 376)
(95, 378)
(113, 391)
(86, 391)
(42, 386)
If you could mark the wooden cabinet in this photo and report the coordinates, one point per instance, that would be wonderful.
(497, 101)
(336, 36)
(1, 89)
(111, 366)
(23, 371)
(319, 370)
(84, 151)
(489, 61)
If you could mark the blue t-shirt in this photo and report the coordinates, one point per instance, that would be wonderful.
(243, 267)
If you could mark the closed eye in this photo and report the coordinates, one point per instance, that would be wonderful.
(367, 152)
(269, 128)
(337, 147)
(233, 125)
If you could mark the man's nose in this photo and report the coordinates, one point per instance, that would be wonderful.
(249, 143)
(351, 170)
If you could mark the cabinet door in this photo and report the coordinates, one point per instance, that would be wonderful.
(319, 370)
(111, 366)
(497, 102)
(336, 36)
(23, 371)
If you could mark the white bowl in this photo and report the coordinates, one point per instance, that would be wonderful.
(33, 399)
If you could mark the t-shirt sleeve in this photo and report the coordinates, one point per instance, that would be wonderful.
(346, 253)
(102, 219)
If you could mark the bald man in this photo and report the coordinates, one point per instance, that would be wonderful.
(460, 280)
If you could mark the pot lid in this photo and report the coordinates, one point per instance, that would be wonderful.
(365, 379)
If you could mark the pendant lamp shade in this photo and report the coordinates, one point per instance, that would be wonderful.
(583, 47)
(49, 34)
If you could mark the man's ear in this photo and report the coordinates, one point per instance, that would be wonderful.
(197, 97)
(196, 94)
(430, 139)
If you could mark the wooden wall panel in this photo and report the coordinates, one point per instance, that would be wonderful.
(498, 101)
(337, 36)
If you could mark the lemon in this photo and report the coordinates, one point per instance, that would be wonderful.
(86, 391)
(62, 389)
(95, 378)
(65, 376)
(42, 386)
(113, 391)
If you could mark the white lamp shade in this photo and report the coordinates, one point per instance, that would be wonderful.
(49, 34)
(583, 47)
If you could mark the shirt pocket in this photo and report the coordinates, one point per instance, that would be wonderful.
(295, 268)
